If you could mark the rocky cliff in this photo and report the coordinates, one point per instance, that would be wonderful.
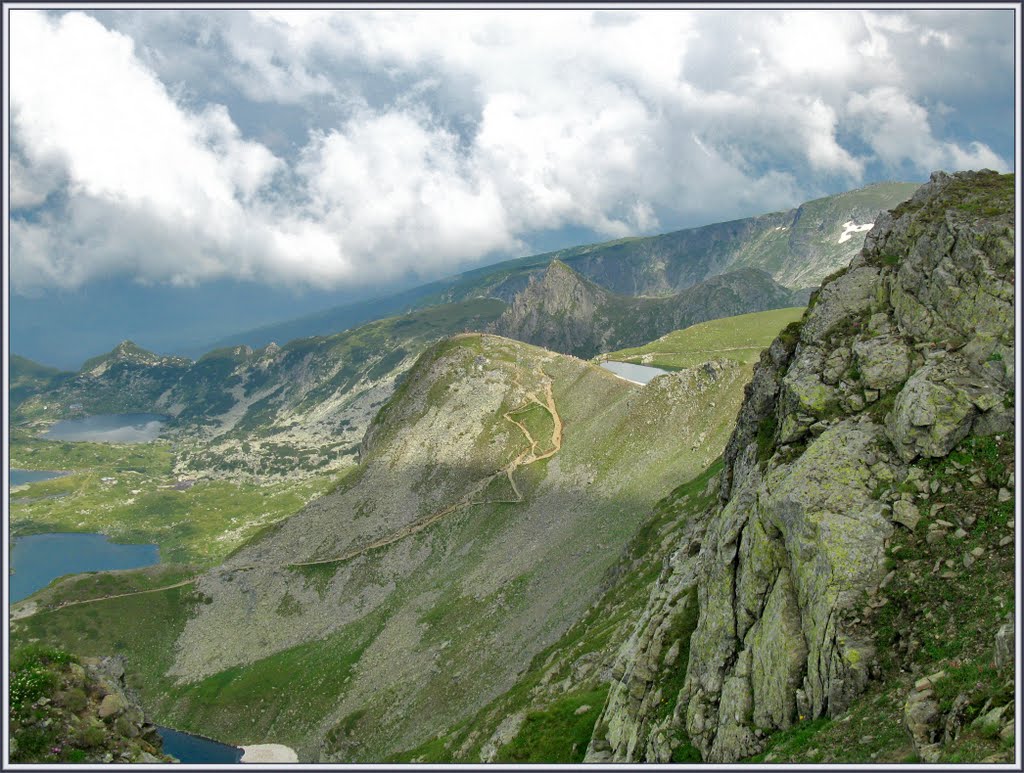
(567, 313)
(70, 710)
(841, 458)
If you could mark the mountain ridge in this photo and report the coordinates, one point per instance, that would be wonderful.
(799, 247)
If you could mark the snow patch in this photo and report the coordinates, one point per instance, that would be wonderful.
(268, 752)
(850, 228)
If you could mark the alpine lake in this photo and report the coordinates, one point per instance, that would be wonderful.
(38, 559)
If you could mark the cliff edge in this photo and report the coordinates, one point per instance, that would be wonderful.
(892, 400)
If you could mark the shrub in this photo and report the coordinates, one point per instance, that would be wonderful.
(766, 438)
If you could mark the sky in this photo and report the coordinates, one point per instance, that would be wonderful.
(328, 150)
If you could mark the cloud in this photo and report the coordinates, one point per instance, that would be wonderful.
(897, 130)
(423, 142)
(395, 187)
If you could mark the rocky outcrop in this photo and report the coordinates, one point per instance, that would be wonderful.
(635, 716)
(923, 718)
(66, 710)
(558, 311)
(901, 356)
(565, 312)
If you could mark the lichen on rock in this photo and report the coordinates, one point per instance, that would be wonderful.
(901, 356)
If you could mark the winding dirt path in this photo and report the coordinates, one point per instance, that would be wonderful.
(65, 604)
(528, 456)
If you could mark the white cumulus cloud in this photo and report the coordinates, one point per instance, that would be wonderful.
(327, 147)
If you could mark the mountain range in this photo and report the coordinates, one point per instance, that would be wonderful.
(291, 410)
(798, 247)
(302, 408)
(797, 545)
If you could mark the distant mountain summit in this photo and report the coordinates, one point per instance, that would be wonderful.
(564, 311)
(129, 352)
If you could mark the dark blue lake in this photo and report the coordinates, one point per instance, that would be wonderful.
(194, 749)
(39, 558)
(21, 477)
(109, 428)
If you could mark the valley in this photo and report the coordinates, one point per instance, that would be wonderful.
(499, 474)
(452, 536)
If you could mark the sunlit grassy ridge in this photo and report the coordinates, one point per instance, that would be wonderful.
(739, 338)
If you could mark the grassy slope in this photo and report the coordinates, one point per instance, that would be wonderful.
(549, 733)
(89, 586)
(96, 629)
(739, 338)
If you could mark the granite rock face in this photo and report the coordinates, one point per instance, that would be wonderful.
(901, 356)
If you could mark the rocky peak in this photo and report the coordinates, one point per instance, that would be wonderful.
(128, 352)
(563, 288)
(566, 312)
(558, 310)
(899, 357)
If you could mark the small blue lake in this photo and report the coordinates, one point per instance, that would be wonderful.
(40, 558)
(194, 749)
(21, 477)
(638, 374)
(109, 428)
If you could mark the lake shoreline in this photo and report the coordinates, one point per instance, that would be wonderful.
(46, 556)
(182, 744)
(641, 375)
(19, 477)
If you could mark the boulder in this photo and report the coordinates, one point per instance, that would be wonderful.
(1004, 647)
(883, 362)
(905, 513)
(937, 407)
(112, 705)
